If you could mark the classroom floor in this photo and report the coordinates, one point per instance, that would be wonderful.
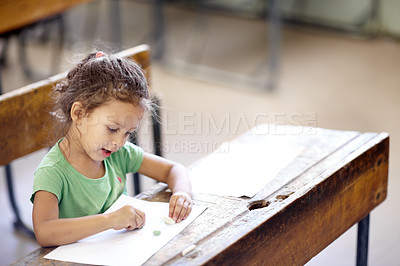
(345, 82)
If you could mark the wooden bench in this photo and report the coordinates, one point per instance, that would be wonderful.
(338, 179)
(26, 123)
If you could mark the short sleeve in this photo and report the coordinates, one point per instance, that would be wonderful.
(47, 179)
(133, 157)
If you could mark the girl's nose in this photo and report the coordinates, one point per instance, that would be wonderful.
(118, 142)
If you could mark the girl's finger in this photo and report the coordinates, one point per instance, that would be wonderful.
(172, 203)
(188, 210)
(178, 208)
(184, 211)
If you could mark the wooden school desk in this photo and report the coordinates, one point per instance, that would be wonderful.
(15, 15)
(335, 182)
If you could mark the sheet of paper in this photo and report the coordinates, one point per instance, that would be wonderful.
(242, 168)
(126, 247)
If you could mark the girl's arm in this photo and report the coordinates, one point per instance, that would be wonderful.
(177, 178)
(52, 231)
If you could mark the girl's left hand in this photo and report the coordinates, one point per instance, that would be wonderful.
(180, 206)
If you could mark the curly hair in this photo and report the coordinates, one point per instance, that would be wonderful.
(95, 80)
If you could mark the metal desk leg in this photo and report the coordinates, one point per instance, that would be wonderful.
(136, 178)
(3, 53)
(18, 223)
(115, 16)
(136, 183)
(156, 127)
(362, 242)
(274, 43)
(23, 36)
(158, 29)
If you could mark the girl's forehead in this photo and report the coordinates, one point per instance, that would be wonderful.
(119, 111)
(117, 105)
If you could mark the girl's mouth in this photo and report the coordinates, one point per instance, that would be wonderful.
(106, 152)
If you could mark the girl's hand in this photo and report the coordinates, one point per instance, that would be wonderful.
(180, 206)
(127, 217)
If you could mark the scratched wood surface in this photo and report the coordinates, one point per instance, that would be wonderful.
(337, 180)
(18, 14)
(25, 113)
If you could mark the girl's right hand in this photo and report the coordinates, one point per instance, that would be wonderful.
(127, 217)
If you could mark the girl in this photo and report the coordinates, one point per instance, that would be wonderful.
(100, 104)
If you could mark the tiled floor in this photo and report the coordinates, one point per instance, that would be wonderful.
(349, 83)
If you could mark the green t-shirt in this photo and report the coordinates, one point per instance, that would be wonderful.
(78, 195)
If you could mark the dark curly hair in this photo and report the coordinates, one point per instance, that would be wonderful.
(95, 80)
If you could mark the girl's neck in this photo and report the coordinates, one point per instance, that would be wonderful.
(77, 157)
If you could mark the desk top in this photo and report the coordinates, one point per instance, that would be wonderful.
(17, 14)
(335, 182)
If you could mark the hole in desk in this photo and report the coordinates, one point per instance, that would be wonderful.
(192, 255)
(258, 204)
(283, 197)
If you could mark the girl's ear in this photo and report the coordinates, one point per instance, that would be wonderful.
(77, 111)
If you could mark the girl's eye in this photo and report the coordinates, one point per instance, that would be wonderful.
(112, 130)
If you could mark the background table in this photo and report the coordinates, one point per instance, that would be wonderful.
(333, 184)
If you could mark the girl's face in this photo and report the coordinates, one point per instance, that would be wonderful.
(106, 129)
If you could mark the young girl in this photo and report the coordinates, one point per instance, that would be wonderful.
(100, 104)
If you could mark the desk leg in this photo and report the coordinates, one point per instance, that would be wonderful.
(18, 224)
(362, 241)
(136, 177)
(115, 16)
(3, 53)
(158, 29)
(156, 126)
(274, 43)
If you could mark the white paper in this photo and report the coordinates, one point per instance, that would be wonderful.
(126, 247)
(242, 168)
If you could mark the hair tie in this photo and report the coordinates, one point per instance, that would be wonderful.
(99, 54)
